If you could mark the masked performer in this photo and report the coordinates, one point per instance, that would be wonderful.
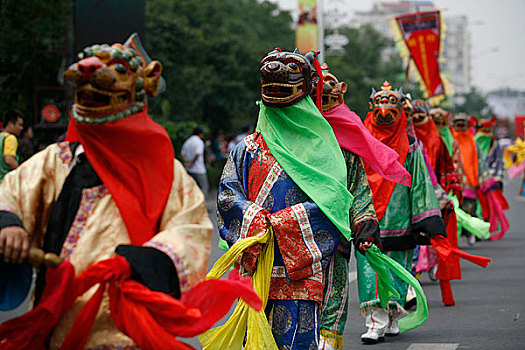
(447, 182)
(356, 144)
(122, 213)
(403, 212)
(473, 173)
(493, 157)
(289, 176)
(477, 226)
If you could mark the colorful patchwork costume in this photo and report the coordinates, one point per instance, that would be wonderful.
(493, 156)
(473, 172)
(356, 144)
(400, 228)
(289, 175)
(447, 182)
(472, 224)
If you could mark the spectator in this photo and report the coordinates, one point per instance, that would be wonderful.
(193, 156)
(246, 130)
(26, 144)
(13, 123)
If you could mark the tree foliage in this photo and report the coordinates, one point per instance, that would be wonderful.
(472, 103)
(32, 45)
(211, 53)
(363, 67)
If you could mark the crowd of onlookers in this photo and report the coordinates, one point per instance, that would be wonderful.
(220, 144)
(198, 153)
(16, 141)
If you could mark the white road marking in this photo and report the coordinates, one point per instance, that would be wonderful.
(433, 346)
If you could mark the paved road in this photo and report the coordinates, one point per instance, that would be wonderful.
(490, 303)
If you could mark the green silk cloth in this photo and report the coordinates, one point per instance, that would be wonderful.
(304, 145)
(381, 263)
(419, 198)
(484, 142)
(472, 224)
(448, 139)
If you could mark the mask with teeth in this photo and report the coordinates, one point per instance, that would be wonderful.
(386, 105)
(286, 77)
(112, 82)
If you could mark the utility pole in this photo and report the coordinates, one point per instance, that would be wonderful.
(320, 30)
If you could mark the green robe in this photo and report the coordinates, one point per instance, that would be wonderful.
(336, 286)
(409, 212)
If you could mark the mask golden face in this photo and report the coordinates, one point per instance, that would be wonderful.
(111, 82)
(333, 91)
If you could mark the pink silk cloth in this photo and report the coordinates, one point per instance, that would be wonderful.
(354, 137)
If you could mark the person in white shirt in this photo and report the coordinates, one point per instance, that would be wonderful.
(193, 156)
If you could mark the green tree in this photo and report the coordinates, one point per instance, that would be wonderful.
(473, 103)
(32, 45)
(363, 67)
(211, 53)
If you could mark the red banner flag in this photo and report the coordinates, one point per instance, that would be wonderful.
(421, 32)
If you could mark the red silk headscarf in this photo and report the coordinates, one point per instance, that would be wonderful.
(133, 157)
(429, 135)
(394, 136)
(469, 155)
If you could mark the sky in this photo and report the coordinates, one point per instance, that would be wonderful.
(497, 37)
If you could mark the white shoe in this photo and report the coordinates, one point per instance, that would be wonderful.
(373, 336)
(325, 345)
(471, 239)
(392, 330)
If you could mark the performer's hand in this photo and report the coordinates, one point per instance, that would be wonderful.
(14, 244)
(364, 246)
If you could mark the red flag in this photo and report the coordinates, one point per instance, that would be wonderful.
(421, 32)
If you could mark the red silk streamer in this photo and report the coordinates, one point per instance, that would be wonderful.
(485, 206)
(151, 319)
(497, 214)
(446, 293)
(319, 85)
(421, 32)
(447, 252)
(31, 330)
(451, 269)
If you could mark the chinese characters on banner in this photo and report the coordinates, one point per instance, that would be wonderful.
(306, 32)
(421, 32)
